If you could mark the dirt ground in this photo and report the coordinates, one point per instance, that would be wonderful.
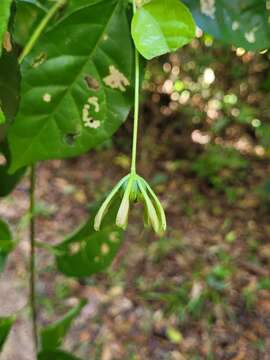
(138, 308)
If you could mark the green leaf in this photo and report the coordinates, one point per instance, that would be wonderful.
(6, 243)
(55, 355)
(162, 26)
(242, 23)
(76, 87)
(9, 86)
(28, 15)
(8, 181)
(5, 6)
(5, 327)
(53, 335)
(87, 252)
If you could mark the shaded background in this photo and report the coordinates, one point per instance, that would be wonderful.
(203, 290)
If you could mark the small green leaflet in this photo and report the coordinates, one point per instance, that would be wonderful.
(242, 23)
(76, 85)
(5, 327)
(55, 355)
(162, 26)
(5, 6)
(87, 252)
(53, 335)
(6, 243)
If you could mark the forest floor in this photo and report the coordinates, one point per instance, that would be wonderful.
(201, 292)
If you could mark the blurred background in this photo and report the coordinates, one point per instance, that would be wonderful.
(203, 290)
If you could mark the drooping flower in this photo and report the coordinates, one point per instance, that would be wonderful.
(133, 188)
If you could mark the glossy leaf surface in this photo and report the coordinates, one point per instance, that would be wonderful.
(76, 87)
(162, 26)
(243, 23)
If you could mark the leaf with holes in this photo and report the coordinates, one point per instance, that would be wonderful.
(53, 335)
(87, 252)
(162, 26)
(5, 327)
(56, 355)
(242, 23)
(62, 114)
(6, 243)
(8, 181)
(5, 6)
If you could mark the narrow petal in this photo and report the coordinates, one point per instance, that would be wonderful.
(152, 214)
(122, 215)
(105, 205)
(158, 206)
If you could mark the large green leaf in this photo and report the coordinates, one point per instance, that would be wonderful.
(53, 335)
(87, 252)
(55, 355)
(5, 6)
(5, 327)
(243, 23)
(162, 26)
(76, 87)
(6, 243)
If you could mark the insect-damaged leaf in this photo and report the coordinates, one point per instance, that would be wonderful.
(5, 327)
(61, 115)
(5, 6)
(162, 26)
(242, 23)
(9, 85)
(87, 252)
(53, 335)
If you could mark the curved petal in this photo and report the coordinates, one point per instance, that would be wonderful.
(158, 206)
(105, 205)
(122, 215)
(152, 214)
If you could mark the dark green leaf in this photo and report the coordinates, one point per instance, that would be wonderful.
(7, 181)
(28, 15)
(53, 335)
(69, 103)
(5, 327)
(243, 23)
(162, 26)
(55, 355)
(6, 243)
(9, 86)
(5, 6)
(87, 252)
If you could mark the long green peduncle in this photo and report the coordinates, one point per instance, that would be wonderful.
(136, 105)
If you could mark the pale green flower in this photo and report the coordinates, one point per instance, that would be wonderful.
(134, 188)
